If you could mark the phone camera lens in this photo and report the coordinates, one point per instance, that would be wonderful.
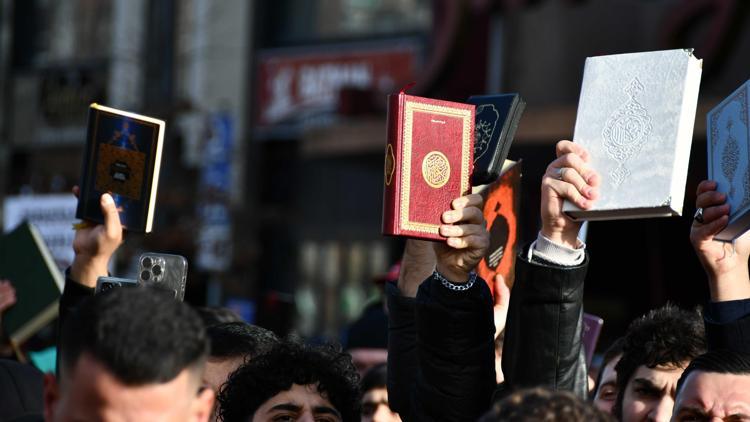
(156, 270)
(145, 275)
(147, 262)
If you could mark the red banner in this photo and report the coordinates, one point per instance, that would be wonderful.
(294, 86)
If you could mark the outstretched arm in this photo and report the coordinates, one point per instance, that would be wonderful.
(727, 315)
(543, 333)
(454, 322)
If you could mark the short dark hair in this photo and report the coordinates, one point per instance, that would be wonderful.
(667, 336)
(140, 335)
(375, 377)
(614, 350)
(288, 363)
(239, 339)
(213, 315)
(542, 405)
(719, 362)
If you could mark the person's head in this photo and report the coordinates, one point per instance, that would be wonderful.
(605, 392)
(130, 354)
(214, 315)
(295, 382)
(233, 343)
(658, 346)
(538, 404)
(367, 338)
(374, 388)
(714, 385)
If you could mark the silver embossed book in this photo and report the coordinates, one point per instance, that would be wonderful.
(729, 158)
(635, 118)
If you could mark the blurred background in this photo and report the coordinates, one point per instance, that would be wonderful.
(271, 180)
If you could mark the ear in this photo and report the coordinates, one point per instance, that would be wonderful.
(203, 405)
(51, 397)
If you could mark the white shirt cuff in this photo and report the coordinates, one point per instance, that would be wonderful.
(556, 253)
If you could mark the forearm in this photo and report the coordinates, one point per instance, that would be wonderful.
(733, 285)
(417, 264)
(86, 270)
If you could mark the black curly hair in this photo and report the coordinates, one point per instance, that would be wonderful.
(291, 362)
(667, 336)
(542, 405)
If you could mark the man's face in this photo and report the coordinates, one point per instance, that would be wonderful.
(606, 394)
(217, 371)
(707, 395)
(365, 358)
(375, 407)
(89, 392)
(299, 403)
(649, 394)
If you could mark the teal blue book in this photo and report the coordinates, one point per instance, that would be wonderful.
(729, 158)
(122, 157)
(28, 264)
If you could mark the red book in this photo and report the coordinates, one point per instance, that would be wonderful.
(501, 205)
(428, 162)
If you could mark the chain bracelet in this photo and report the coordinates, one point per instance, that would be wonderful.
(459, 287)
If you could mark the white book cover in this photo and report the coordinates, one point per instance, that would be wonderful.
(635, 117)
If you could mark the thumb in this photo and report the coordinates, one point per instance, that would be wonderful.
(112, 223)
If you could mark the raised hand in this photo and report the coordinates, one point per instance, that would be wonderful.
(725, 263)
(467, 239)
(94, 244)
(568, 177)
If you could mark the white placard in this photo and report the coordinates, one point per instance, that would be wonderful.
(53, 215)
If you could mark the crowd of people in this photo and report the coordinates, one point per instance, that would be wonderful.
(135, 354)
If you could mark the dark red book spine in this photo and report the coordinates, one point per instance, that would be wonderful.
(392, 170)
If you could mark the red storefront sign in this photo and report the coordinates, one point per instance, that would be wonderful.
(293, 86)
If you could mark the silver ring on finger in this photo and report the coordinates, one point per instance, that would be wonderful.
(560, 172)
(698, 215)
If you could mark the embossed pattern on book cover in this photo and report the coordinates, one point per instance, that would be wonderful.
(728, 150)
(635, 117)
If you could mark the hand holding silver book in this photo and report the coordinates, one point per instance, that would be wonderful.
(635, 118)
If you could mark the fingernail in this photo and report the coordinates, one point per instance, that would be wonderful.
(107, 199)
(452, 241)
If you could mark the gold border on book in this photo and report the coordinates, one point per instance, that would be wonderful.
(409, 108)
(152, 173)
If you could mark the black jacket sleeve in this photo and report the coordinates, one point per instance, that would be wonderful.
(441, 352)
(730, 331)
(402, 349)
(73, 294)
(455, 348)
(543, 345)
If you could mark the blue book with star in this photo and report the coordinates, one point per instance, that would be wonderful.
(122, 157)
(729, 158)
